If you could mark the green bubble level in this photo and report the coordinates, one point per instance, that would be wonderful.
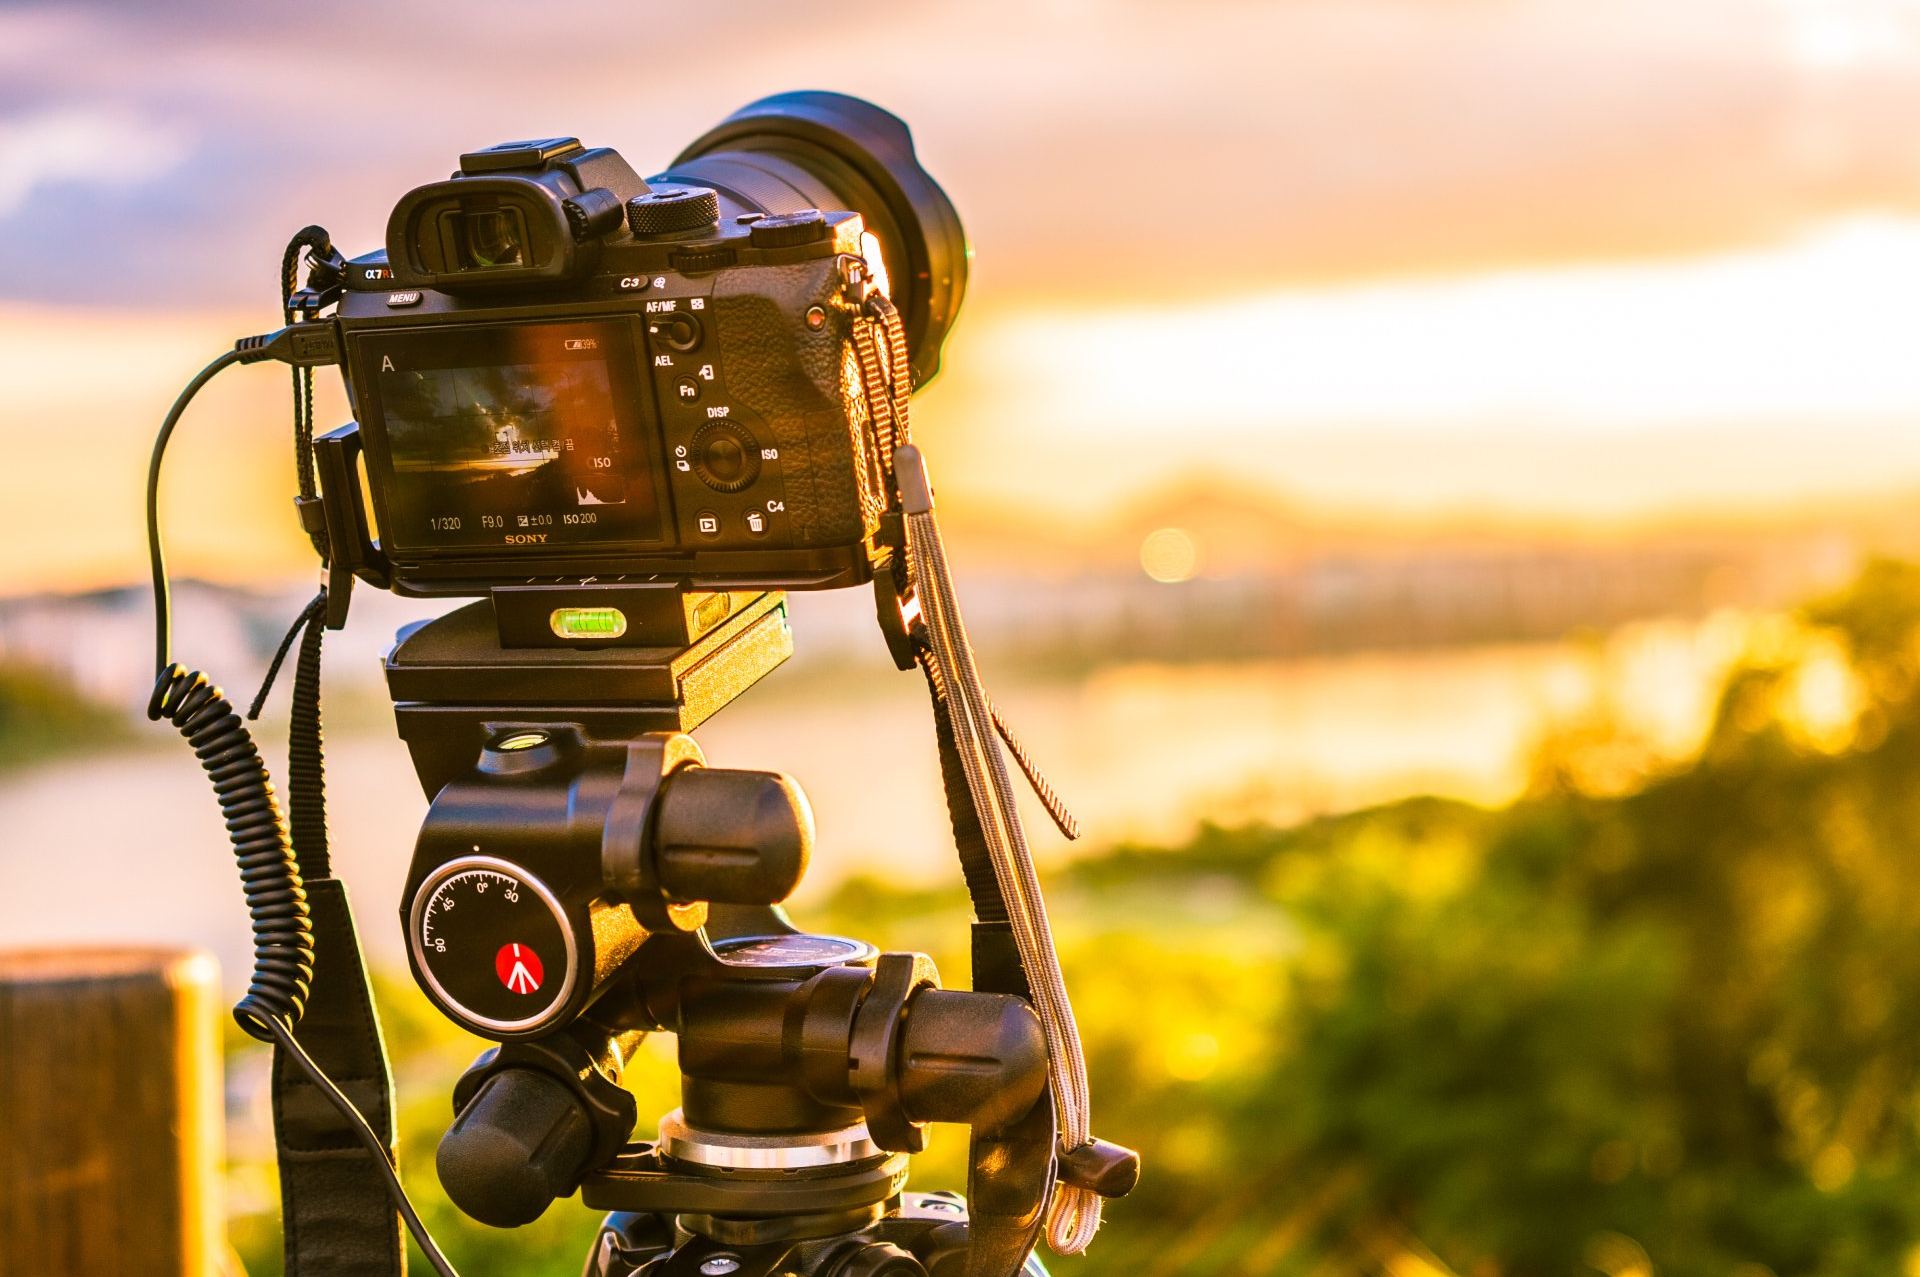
(589, 622)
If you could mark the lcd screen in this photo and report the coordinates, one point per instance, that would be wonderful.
(526, 436)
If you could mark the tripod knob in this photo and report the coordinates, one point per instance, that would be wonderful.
(520, 1142)
(875, 1259)
(979, 1058)
(734, 837)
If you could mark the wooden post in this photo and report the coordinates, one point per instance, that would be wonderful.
(110, 1114)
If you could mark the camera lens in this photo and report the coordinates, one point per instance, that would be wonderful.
(798, 151)
(489, 237)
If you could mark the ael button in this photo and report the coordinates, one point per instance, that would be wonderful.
(789, 229)
(676, 330)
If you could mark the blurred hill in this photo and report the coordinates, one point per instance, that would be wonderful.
(1204, 570)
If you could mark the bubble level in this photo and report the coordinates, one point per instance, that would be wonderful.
(588, 622)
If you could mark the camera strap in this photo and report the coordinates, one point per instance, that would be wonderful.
(338, 1218)
(1013, 940)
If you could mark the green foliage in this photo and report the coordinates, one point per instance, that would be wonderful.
(1674, 1031)
(41, 714)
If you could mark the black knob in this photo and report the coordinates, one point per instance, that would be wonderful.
(518, 1144)
(979, 1058)
(725, 456)
(875, 1259)
(669, 210)
(736, 837)
(592, 213)
(789, 229)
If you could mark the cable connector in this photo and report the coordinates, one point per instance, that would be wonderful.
(302, 345)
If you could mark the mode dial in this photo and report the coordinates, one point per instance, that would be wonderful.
(669, 210)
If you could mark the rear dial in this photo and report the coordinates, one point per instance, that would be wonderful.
(492, 945)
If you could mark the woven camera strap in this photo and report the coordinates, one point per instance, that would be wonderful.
(339, 1220)
(1012, 1174)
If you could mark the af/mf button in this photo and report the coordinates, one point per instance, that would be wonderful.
(725, 456)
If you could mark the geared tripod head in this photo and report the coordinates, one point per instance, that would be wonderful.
(582, 878)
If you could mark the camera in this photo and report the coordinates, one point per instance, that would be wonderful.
(561, 370)
(626, 414)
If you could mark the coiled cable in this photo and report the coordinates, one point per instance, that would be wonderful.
(269, 871)
(269, 874)
(276, 900)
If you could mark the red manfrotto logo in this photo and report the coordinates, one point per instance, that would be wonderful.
(518, 967)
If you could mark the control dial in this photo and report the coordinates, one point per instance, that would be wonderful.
(493, 945)
(725, 456)
(669, 210)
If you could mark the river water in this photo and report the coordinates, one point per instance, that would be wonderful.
(128, 845)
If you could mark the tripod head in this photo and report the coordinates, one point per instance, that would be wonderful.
(810, 1066)
(583, 878)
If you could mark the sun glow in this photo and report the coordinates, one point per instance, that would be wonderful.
(1818, 327)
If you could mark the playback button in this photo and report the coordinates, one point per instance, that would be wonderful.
(708, 522)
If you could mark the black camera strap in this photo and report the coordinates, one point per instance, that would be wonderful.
(1012, 1171)
(338, 1218)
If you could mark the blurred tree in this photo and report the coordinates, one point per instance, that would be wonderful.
(1673, 1031)
(41, 714)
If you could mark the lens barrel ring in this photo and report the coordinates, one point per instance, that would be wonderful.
(827, 150)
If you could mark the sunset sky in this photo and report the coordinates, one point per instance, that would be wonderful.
(1550, 257)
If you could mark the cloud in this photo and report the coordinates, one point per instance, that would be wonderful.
(1114, 150)
(106, 149)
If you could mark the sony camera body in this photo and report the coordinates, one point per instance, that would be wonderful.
(681, 402)
(563, 372)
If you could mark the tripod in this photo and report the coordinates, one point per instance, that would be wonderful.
(582, 878)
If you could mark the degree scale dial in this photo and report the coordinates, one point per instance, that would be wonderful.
(492, 944)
